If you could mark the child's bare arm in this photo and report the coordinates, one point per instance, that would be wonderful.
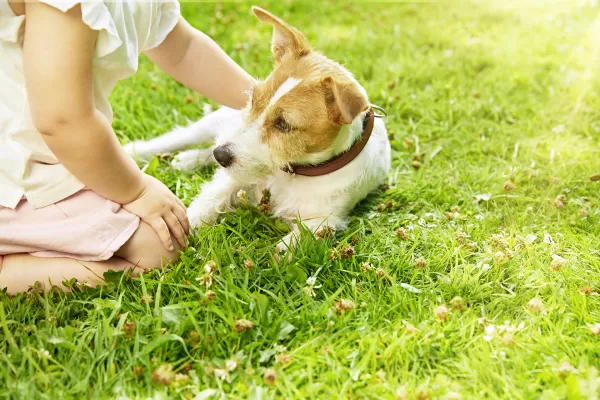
(196, 61)
(57, 54)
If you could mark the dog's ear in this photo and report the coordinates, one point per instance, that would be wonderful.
(344, 100)
(286, 38)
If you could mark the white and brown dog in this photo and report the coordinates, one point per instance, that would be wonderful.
(308, 134)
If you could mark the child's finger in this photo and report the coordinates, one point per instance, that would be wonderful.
(183, 218)
(175, 227)
(161, 229)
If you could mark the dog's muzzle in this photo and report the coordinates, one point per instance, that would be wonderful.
(223, 155)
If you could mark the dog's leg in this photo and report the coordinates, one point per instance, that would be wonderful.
(216, 197)
(314, 225)
(202, 131)
(189, 160)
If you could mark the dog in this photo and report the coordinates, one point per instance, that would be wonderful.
(308, 135)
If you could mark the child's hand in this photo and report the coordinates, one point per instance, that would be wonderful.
(162, 210)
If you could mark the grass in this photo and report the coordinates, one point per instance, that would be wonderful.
(502, 99)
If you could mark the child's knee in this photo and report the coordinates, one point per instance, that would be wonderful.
(145, 250)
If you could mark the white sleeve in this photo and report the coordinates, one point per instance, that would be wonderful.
(96, 15)
(164, 15)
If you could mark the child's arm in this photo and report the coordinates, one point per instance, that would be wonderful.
(57, 56)
(196, 61)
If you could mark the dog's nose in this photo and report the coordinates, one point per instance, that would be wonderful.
(223, 155)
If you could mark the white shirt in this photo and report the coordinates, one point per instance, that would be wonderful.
(125, 29)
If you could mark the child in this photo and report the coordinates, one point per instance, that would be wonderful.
(72, 204)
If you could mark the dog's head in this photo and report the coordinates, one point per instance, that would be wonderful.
(302, 112)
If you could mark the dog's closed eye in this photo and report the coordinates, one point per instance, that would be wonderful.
(283, 125)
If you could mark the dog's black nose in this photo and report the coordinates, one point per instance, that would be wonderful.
(223, 155)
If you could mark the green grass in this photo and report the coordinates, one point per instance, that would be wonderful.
(492, 94)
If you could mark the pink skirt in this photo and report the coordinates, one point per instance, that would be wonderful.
(84, 226)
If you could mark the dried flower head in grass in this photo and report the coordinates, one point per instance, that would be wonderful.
(248, 265)
(499, 241)
(194, 338)
(189, 99)
(380, 207)
(138, 371)
(231, 365)
(499, 257)
(309, 291)
(129, 329)
(366, 267)
(559, 201)
(422, 393)
(535, 305)
(389, 204)
(565, 369)
(509, 186)
(334, 254)
(409, 328)
(441, 313)
(384, 188)
(325, 232)
(210, 266)
(163, 374)
(347, 251)
(457, 303)
(402, 234)
(420, 263)
(595, 177)
(557, 263)
(416, 165)
(242, 325)
(408, 143)
(210, 295)
(264, 208)
(508, 339)
(221, 373)
(449, 215)
(270, 377)
(343, 305)
(587, 290)
(509, 254)
(146, 299)
(283, 359)
(461, 238)
(381, 273)
(583, 212)
(594, 328)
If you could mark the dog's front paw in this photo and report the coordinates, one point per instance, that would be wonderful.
(202, 213)
(287, 244)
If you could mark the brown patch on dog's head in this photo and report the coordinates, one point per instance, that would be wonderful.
(305, 118)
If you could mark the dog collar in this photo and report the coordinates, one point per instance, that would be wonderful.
(343, 159)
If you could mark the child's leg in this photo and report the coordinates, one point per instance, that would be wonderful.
(143, 250)
(19, 272)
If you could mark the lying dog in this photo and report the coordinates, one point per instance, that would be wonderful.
(308, 134)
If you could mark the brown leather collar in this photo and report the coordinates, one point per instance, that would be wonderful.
(341, 160)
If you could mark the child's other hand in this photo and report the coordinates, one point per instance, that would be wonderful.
(162, 210)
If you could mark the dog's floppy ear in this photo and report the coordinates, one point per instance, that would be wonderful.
(286, 38)
(344, 100)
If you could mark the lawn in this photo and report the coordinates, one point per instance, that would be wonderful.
(475, 273)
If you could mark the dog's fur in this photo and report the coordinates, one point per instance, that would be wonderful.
(307, 111)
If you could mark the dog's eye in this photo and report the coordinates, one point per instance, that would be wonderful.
(282, 125)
